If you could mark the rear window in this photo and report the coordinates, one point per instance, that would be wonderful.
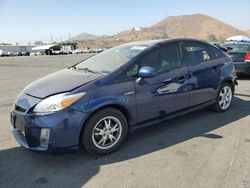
(237, 47)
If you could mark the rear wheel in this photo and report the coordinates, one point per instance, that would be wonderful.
(224, 98)
(104, 131)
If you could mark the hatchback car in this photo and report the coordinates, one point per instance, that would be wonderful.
(95, 103)
(240, 53)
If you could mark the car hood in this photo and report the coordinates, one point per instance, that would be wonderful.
(62, 81)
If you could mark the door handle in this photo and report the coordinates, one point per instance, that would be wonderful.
(183, 78)
(216, 69)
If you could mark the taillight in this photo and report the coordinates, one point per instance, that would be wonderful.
(247, 58)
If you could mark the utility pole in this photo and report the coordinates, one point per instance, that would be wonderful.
(166, 14)
(51, 39)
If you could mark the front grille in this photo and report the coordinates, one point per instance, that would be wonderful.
(19, 109)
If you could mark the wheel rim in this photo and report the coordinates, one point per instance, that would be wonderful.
(225, 97)
(107, 132)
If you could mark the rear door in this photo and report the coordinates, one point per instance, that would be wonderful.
(205, 72)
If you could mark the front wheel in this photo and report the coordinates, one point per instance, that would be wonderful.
(224, 98)
(104, 131)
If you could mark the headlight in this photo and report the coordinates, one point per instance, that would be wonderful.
(57, 102)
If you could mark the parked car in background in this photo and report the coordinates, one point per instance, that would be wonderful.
(6, 54)
(36, 53)
(87, 50)
(21, 54)
(25, 53)
(77, 51)
(95, 103)
(240, 53)
(32, 53)
(57, 52)
(61, 52)
(96, 50)
(17, 54)
(65, 52)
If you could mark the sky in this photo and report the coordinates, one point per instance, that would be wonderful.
(25, 21)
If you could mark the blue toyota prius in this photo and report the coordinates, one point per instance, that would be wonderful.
(95, 103)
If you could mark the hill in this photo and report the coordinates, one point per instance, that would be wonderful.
(187, 26)
(248, 32)
(197, 26)
(83, 37)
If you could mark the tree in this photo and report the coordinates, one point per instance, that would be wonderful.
(160, 36)
(212, 38)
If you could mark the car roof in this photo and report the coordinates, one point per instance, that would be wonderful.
(144, 43)
(150, 43)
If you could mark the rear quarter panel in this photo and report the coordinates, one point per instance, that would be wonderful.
(228, 71)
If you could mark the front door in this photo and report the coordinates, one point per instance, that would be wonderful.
(168, 91)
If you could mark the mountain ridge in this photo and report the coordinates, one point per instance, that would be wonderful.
(248, 32)
(198, 26)
(83, 36)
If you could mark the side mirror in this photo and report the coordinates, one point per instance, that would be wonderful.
(146, 72)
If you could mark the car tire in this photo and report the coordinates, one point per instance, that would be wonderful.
(224, 98)
(104, 131)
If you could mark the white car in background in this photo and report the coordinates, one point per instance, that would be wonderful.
(78, 51)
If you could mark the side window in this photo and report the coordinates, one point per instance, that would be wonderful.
(164, 58)
(131, 73)
(196, 53)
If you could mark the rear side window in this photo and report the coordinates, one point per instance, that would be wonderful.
(196, 53)
(217, 52)
(165, 58)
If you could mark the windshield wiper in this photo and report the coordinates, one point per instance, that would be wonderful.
(105, 72)
(86, 70)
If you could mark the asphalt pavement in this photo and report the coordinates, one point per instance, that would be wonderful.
(200, 149)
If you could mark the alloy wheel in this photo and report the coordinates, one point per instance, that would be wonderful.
(225, 97)
(107, 132)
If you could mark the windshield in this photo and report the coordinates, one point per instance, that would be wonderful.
(237, 47)
(110, 60)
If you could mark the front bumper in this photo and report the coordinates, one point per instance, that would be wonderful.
(65, 128)
(21, 139)
(242, 67)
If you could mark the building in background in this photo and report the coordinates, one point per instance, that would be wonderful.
(54, 49)
(11, 50)
(43, 49)
(69, 46)
(46, 49)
